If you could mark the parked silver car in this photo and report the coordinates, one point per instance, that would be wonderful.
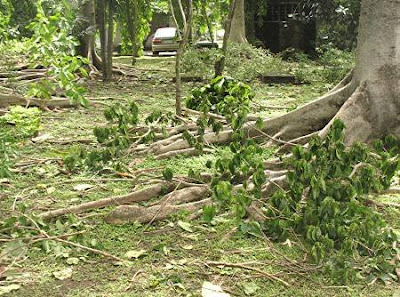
(165, 40)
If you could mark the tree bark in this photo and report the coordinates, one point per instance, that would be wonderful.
(374, 112)
(87, 30)
(238, 30)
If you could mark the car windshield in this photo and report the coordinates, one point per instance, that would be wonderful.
(165, 32)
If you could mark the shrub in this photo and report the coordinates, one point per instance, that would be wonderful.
(244, 62)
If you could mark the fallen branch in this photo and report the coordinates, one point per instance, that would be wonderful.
(92, 250)
(69, 141)
(237, 265)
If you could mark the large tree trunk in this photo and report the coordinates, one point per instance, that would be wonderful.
(238, 29)
(132, 19)
(377, 112)
(87, 32)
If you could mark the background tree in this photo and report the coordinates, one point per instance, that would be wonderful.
(85, 30)
(134, 18)
(237, 31)
(106, 27)
(220, 63)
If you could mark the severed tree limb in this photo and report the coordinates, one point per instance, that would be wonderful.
(271, 276)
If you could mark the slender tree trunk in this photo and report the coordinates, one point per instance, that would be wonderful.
(238, 29)
(220, 64)
(109, 47)
(187, 22)
(131, 28)
(103, 40)
(135, 18)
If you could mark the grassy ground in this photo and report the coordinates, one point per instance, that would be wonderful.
(173, 261)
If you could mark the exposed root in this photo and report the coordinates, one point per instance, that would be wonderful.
(274, 184)
(130, 214)
(355, 115)
(302, 140)
(137, 196)
(274, 165)
(184, 195)
(308, 118)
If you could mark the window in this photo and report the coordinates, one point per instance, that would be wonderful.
(281, 12)
(168, 32)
